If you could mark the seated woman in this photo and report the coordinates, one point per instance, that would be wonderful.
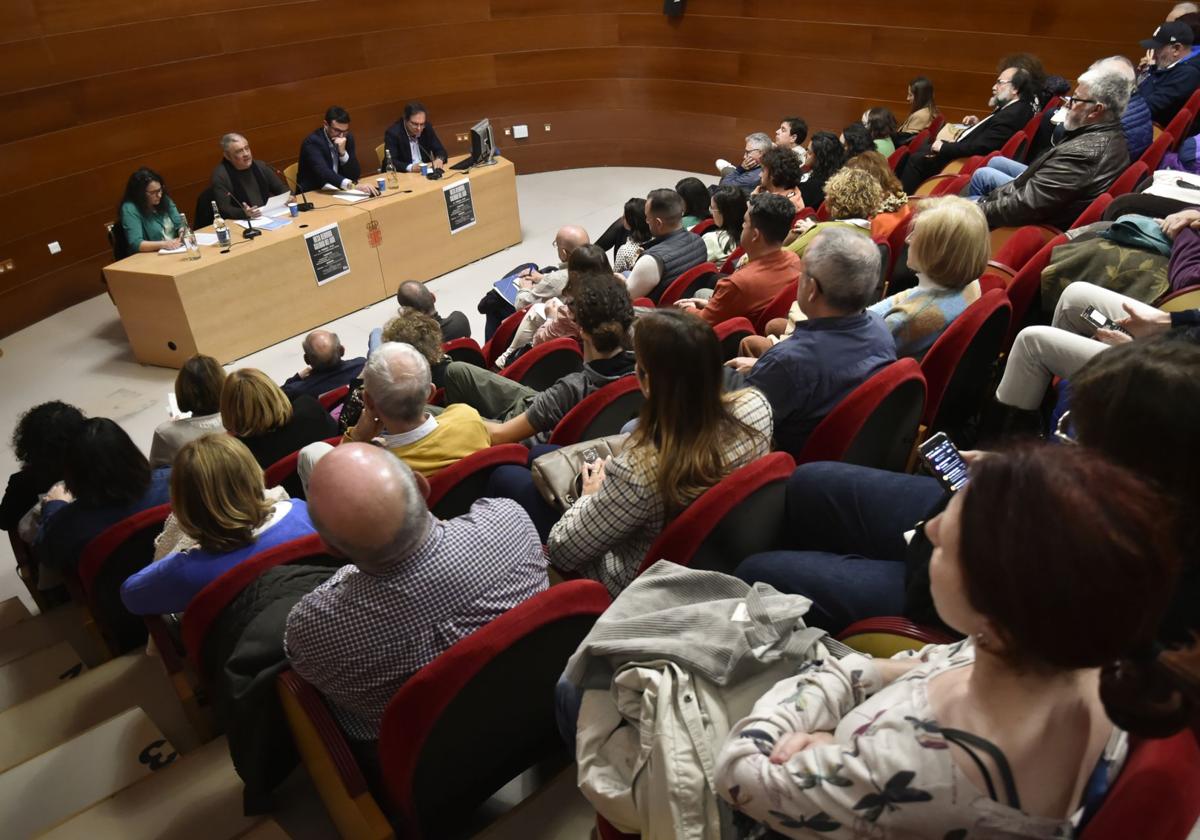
(949, 249)
(217, 497)
(852, 197)
(638, 233)
(425, 334)
(857, 139)
(895, 208)
(781, 174)
(198, 392)
(728, 208)
(881, 125)
(690, 435)
(257, 412)
(922, 110)
(827, 155)
(105, 479)
(39, 442)
(147, 215)
(1002, 734)
(695, 201)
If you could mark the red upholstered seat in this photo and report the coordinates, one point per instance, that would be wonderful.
(1178, 126)
(1129, 179)
(702, 226)
(283, 471)
(1016, 146)
(896, 626)
(331, 399)
(730, 333)
(1155, 793)
(465, 350)
(1026, 287)
(545, 364)
(502, 337)
(1093, 211)
(777, 308)
(454, 489)
(703, 276)
(602, 412)
(1018, 249)
(730, 264)
(1153, 156)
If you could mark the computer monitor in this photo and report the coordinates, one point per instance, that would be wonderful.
(483, 144)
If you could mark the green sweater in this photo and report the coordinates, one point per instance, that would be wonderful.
(155, 227)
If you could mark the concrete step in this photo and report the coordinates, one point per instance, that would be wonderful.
(38, 672)
(63, 623)
(268, 829)
(12, 610)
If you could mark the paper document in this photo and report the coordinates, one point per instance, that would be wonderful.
(178, 250)
(206, 239)
(277, 205)
(350, 195)
(263, 223)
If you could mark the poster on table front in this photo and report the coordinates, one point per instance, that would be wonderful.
(326, 253)
(458, 205)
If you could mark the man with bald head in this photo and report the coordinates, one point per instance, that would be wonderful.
(326, 369)
(241, 184)
(415, 586)
(535, 287)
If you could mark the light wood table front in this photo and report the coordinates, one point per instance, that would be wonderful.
(264, 291)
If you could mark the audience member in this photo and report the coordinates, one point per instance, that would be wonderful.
(422, 333)
(857, 139)
(40, 443)
(1136, 123)
(604, 314)
(434, 582)
(746, 175)
(852, 197)
(922, 109)
(638, 234)
(257, 412)
(105, 479)
(417, 296)
(1168, 84)
(881, 125)
(948, 249)
(695, 201)
(241, 185)
(412, 141)
(1012, 103)
(828, 155)
(217, 498)
(148, 218)
(768, 270)
(197, 393)
(535, 286)
(671, 252)
(791, 134)
(327, 156)
(835, 348)
(1034, 594)
(325, 369)
(781, 175)
(728, 210)
(1060, 184)
(1181, 9)
(893, 209)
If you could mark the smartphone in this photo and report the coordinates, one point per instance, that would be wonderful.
(1098, 319)
(591, 456)
(941, 456)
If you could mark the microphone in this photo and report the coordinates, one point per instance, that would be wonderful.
(303, 206)
(249, 232)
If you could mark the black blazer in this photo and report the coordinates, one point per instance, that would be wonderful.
(992, 134)
(315, 163)
(395, 139)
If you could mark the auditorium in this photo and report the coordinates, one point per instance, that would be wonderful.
(549, 420)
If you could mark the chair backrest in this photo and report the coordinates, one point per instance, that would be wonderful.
(1180, 300)
(885, 636)
(643, 302)
(739, 516)
(502, 337)
(730, 333)
(958, 366)
(823, 212)
(1015, 147)
(1093, 211)
(951, 186)
(106, 561)
(702, 226)
(899, 156)
(1026, 287)
(546, 363)
(922, 136)
(1163, 771)
(777, 308)
(1153, 156)
(1052, 104)
(495, 687)
(332, 399)
(1035, 122)
(1018, 249)
(1129, 179)
(990, 280)
(730, 264)
(289, 175)
(876, 424)
(209, 602)
(685, 285)
(379, 155)
(1178, 126)
(601, 413)
(936, 125)
(465, 350)
(454, 489)
(203, 217)
(283, 471)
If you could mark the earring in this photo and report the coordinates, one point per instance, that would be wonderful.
(981, 640)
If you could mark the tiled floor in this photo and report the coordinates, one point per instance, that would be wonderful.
(81, 355)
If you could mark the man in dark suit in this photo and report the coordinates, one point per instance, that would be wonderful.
(326, 368)
(1012, 99)
(327, 156)
(412, 141)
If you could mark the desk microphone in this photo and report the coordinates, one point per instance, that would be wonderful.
(303, 206)
(249, 232)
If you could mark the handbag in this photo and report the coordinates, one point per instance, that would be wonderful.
(556, 475)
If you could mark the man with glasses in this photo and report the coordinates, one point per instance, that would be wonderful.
(1167, 85)
(748, 175)
(327, 156)
(412, 141)
(1062, 182)
(1012, 104)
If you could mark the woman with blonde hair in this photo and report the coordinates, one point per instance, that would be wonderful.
(852, 197)
(257, 412)
(218, 500)
(948, 249)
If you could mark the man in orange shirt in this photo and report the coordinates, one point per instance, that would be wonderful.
(768, 269)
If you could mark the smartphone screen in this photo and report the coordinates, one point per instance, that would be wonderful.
(943, 460)
(1097, 318)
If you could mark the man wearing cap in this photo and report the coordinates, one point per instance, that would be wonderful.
(1167, 85)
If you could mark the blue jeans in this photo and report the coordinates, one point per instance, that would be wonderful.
(516, 483)
(998, 172)
(846, 527)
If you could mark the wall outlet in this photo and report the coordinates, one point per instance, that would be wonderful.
(462, 138)
(547, 126)
(55, 248)
(6, 265)
(520, 132)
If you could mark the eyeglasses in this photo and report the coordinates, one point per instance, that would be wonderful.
(1072, 101)
(416, 125)
(1064, 432)
(1002, 81)
(154, 192)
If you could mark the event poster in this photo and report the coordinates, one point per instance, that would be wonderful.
(326, 253)
(458, 205)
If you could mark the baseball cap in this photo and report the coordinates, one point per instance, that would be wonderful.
(1175, 32)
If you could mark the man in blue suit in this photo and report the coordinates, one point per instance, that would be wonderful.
(327, 156)
(412, 141)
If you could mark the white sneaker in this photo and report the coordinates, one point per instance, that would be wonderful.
(722, 165)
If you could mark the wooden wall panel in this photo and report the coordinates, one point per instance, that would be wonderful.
(94, 90)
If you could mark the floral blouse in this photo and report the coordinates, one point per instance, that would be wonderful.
(889, 774)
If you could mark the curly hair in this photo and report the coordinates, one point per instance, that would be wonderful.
(603, 310)
(876, 165)
(782, 167)
(42, 434)
(419, 330)
(828, 154)
(852, 194)
(857, 139)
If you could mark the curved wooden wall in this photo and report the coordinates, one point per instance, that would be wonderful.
(93, 89)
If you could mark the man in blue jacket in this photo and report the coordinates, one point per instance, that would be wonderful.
(1167, 85)
(327, 156)
(412, 141)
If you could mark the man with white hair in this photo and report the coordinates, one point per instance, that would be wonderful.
(415, 584)
(749, 174)
(241, 184)
(835, 349)
(1062, 182)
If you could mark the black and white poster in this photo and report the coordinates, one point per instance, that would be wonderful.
(459, 208)
(327, 254)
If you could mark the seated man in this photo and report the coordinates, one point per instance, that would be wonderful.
(1012, 101)
(241, 184)
(1136, 122)
(835, 349)
(327, 156)
(770, 268)
(326, 369)
(1167, 85)
(536, 287)
(791, 134)
(414, 295)
(1060, 184)
(412, 141)
(672, 250)
(415, 584)
(746, 176)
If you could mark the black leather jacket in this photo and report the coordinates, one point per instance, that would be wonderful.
(1063, 181)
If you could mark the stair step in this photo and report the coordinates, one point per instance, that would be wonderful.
(199, 797)
(63, 623)
(72, 777)
(38, 672)
(12, 610)
(268, 829)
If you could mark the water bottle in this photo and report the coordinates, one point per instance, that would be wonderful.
(219, 226)
(389, 168)
(188, 238)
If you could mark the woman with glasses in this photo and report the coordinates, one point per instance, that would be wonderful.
(148, 217)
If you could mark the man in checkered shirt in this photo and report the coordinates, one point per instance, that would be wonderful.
(416, 585)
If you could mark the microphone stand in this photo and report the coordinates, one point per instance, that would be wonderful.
(303, 206)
